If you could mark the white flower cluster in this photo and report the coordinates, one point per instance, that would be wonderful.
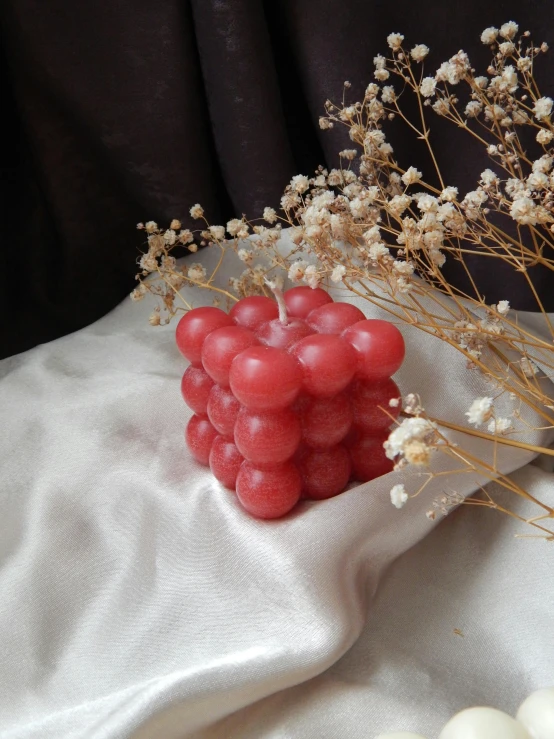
(441, 106)
(338, 273)
(428, 86)
(419, 52)
(251, 282)
(499, 426)
(489, 35)
(300, 183)
(444, 504)
(394, 40)
(398, 496)
(454, 70)
(346, 221)
(197, 211)
(469, 338)
(269, 215)
(542, 108)
(302, 271)
(381, 71)
(438, 220)
(480, 411)
(473, 202)
(237, 228)
(196, 272)
(411, 176)
(388, 94)
(411, 442)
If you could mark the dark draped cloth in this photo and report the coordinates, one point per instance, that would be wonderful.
(123, 111)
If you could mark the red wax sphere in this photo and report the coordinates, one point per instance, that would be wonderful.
(301, 300)
(367, 400)
(265, 378)
(225, 461)
(324, 473)
(195, 388)
(351, 437)
(223, 409)
(333, 318)
(368, 457)
(221, 347)
(380, 348)
(251, 312)
(193, 328)
(299, 453)
(199, 435)
(328, 363)
(269, 493)
(267, 438)
(283, 335)
(325, 421)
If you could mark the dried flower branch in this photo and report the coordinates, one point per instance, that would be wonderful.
(384, 231)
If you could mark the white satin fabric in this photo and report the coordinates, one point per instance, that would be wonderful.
(138, 600)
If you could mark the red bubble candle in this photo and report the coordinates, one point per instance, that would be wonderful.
(291, 397)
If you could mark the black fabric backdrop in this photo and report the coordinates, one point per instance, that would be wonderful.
(123, 111)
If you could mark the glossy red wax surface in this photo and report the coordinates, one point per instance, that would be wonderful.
(223, 409)
(325, 473)
(265, 378)
(193, 328)
(253, 311)
(225, 461)
(269, 493)
(368, 458)
(334, 318)
(267, 438)
(325, 421)
(281, 335)
(221, 347)
(328, 363)
(289, 407)
(303, 299)
(351, 437)
(199, 436)
(368, 398)
(380, 348)
(195, 389)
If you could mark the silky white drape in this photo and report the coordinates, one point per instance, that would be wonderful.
(139, 600)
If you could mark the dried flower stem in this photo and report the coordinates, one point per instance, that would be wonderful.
(492, 437)
(382, 231)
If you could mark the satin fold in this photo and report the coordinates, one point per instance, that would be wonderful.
(139, 600)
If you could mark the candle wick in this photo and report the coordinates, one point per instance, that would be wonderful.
(283, 317)
(275, 288)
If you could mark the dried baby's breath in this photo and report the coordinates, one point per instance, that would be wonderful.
(384, 230)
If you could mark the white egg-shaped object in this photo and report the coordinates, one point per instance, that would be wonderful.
(536, 713)
(483, 723)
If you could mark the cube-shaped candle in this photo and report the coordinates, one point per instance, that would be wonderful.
(290, 400)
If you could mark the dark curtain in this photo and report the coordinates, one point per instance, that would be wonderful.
(122, 111)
